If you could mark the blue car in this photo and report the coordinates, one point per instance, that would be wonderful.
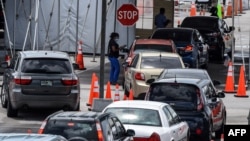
(189, 44)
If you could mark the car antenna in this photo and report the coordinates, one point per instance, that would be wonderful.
(160, 56)
(175, 79)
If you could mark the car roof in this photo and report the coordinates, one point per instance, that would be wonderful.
(154, 41)
(44, 54)
(156, 53)
(76, 115)
(30, 137)
(187, 71)
(192, 81)
(137, 104)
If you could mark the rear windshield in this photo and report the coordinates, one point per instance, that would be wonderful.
(184, 96)
(185, 75)
(46, 65)
(163, 62)
(151, 47)
(175, 35)
(200, 23)
(69, 129)
(137, 116)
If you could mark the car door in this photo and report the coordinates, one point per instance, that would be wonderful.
(215, 105)
(173, 127)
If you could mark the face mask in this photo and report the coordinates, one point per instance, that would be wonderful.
(116, 40)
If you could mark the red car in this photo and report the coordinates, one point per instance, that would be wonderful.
(159, 45)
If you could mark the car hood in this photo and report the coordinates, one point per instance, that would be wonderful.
(141, 132)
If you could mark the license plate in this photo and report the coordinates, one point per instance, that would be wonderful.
(46, 83)
(154, 76)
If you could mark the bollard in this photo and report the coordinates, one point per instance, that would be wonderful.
(248, 118)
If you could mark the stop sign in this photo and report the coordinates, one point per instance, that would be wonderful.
(127, 14)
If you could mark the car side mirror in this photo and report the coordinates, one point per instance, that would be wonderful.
(221, 94)
(150, 81)
(4, 65)
(130, 132)
(216, 82)
(75, 66)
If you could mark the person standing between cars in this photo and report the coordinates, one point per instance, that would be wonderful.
(160, 19)
(113, 54)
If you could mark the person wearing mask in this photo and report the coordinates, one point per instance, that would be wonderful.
(113, 54)
(160, 19)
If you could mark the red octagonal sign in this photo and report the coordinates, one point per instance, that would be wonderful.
(127, 14)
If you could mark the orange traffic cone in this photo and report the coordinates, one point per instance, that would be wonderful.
(108, 91)
(193, 10)
(79, 57)
(7, 59)
(96, 88)
(117, 94)
(125, 97)
(241, 7)
(241, 92)
(229, 88)
(222, 137)
(131, 95)
(229, 10)
(91, 93)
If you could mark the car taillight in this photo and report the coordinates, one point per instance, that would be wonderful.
(69, 81)
(188, 48)
(23, 80)
(199, 101)
(40, 131)
(198, 131)
(99, 131)
(154, 137)
(139, 76)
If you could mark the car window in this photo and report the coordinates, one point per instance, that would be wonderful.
(137, 116)
(168, 115)
(175, 35)
(134, 61)
(15, 64)
(200, 23)
(224, 26)
(113, 128)
(174, 114)
(106, 129)
(71, 128)
(152, 47)
(185, 75)
(46, 65)
(163, 62)
(119, 127)
(181, 96)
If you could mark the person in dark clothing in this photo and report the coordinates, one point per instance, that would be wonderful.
(113, 54)
(160, 19)
(213, 11)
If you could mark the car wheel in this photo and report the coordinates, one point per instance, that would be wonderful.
(3, 95)
(209, 134)
(10, 111)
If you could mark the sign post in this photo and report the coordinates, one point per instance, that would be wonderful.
(127, 14)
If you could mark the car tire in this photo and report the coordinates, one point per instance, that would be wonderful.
(209, 133)
(3, 96)
(10, 111)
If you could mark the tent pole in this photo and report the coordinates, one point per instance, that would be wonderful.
(58, 27)
(14, 30)
(95, 46)
(115, 22)
(77, 16)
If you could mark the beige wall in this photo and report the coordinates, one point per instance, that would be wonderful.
(169, 12)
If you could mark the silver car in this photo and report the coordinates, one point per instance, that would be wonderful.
(30, 137)
(40, 79)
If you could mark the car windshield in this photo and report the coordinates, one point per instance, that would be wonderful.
(46, 65)
(182, 96)
(152, 47)
(185, 75)
(137, 116)
(70, 128)
(163, 62)
(178, 36)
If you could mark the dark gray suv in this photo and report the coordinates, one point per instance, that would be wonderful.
(40, 79)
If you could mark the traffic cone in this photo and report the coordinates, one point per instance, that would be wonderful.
(96, 88)
(229, 10)
(79, 57)
(7, 59)
(193, 10)
(125, 97)
(108, 91)
(91, 94)
(241, 7)
(241, 92)
(229, 88)
(131, 95)
(117, 94)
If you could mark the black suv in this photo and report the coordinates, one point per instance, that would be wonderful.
(86, 126)
(194, 100)
(189, 44)
(215, 32)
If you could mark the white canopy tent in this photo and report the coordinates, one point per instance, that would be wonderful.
(52, 24)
